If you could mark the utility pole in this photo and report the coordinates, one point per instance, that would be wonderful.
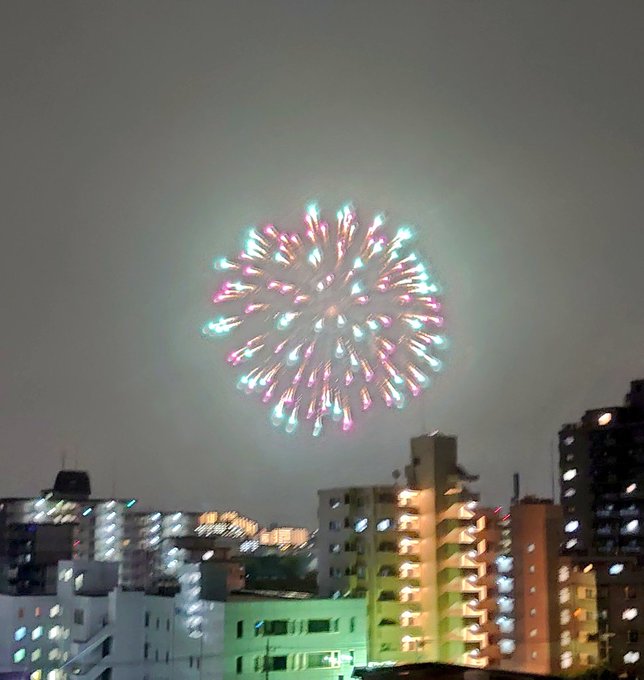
(266, 657)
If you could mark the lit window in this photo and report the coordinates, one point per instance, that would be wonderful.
(533, 590)
(36, 633)
(531, 568)
(566, 660)
(564, 574)
(615, 569)
(631, 487)
(571, 526)
(530, 547)
(629, 614)
(19, 655)
(632, 526)
(383, 525)
(36, 675)
(569, 493)
(533, 632)
(36, 654)
(54, 632)
(564, 617)
(533, 655)
(564, 595)
(569, 474)
(54, 654)
(604, 418)
(533, 612)
(78, 582)
(571, 543)
(588, 568)
(361, 525)
(568, 441)
(54, 611)
(506, 646)
(37, 612)
(631, 657)
(335, 548)
(51, 675)
(20, 633)
(566, 638)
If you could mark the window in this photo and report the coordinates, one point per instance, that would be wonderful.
(21, 613)
(533, 655)
(146, 652)
(276, 663)
(335, 572)
(36, 654)
(318, 626)
(533, 590)
(569, 493)
(335, 548)
(54, 611)
(156, 654)
(630, 593)
(323, 660)
(530, 547)
(78, 582)
(564, 617)
(571, 526)
(564, 574)
(147, 619)
(37, 612)
(531, 568)
(20, 633)
(36, 675)
(352, 624)
(19, 655)
(615, 569)
(334, 525)
(631, 657)
(566, 638)
(167, 657)
(566, 660)
(604, 418)
(274, 627)
(333, 503)
(633, 635)
(629, 614)
(533, 632)
(569, 474)
(36, 632)
(361, 525)
(533, 612)
(167, 624)
(384, 524)
(239, 665)
(571, 543)
(564, 595)
(240, 629)
(158, 622)
(79, 617)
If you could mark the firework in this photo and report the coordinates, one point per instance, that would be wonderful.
(334, 319)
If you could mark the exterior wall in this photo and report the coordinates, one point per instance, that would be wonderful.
(325, 655)
(536, 537)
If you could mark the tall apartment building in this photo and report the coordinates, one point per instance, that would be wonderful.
(601, 460)
(414, 553)
(555, 598)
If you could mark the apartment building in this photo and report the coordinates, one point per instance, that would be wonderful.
(414, 554)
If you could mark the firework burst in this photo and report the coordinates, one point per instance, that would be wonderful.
(334, 319)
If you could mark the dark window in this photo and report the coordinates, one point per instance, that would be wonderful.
(21, 613)
(156, 654)
(630, 593)
(318, 626)
(352, 624)
(633, 636)
(190, 661)
(158, 622)
(198, 662)
(146, 650)
(167, 624)
(167, 657)
(274, 627)
(240, 629)
(79, 616)
(239, 664)
(147, 619)
(106, 647)
(277, 663)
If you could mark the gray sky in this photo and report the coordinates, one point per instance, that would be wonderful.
(139, 138)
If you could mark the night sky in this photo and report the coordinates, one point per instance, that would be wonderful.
(138, 140)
